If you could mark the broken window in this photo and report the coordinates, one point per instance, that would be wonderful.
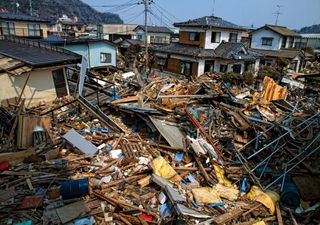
(34, 30)
(185, 68)
(233, 37)
(7, 28)
(223, 68)
(194, 36)
(105, 57)
(267, 41)
(209, 66)
(215, 37)
(291, 41)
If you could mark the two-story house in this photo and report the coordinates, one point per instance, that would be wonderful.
(277, 41)
(98, 53)
(207, 44)
(157, 35)
(23, 26)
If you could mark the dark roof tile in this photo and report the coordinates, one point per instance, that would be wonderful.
(155, 29)
(10, 16)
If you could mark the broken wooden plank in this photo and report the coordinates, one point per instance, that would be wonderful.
(16, 157)
(228, 216)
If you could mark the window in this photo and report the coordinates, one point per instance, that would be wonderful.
(194, 36)
(291, 41)
(7, 28)
(105, 57)
(267, 41)
(185, 68)
(139, 37)
(223, 68)
(236, 68)
(34, 30)
(233, 37)
(215, 37)
(158, 39)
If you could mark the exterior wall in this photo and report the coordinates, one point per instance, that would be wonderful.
(173, 66)
(224, 37)
(161, 35)
(92, 53)
(21, 28)
(219, 62)
(40, 87)
(184, 38)
(201, 64)
(105, 30)
(257, 36)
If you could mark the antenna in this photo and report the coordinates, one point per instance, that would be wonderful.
(278, 13)
(213, 5)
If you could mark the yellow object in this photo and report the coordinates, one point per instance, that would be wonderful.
(220, 176)
(273, 91)
(274, 196)
(259, 223)
(226, 192)
(256, 194)
(206, 195)
(163, 169)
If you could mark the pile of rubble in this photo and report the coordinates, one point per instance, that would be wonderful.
(161, 150)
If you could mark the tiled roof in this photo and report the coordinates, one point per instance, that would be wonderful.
(280, 30)
(188, 50)
(36, 54)
(209, 21)
(77, 41)
(225, 50)
(286, 53)
(10, 16)
(155, 29)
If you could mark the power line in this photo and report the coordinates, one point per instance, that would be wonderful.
(169, 13)
(164, 16)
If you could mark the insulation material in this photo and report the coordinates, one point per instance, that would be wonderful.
(206, 195)
(273, 91)
(162, 168)
(256, 194)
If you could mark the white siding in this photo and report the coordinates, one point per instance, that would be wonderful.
(224, 37)
(257, 39)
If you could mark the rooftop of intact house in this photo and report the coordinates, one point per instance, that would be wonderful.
(209, 22)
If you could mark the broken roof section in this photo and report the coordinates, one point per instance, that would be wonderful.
(181, 49)
(209, 22)
(286, 53)
(36, 54)
(230, 50)
(280, 30)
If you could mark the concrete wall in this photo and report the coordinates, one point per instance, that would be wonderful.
(257, 36)
(92, 53)
(40, 87)
(224, 37)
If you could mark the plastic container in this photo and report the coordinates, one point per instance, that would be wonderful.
(290, 196)
(74, 188)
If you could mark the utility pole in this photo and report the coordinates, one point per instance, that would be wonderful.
(278, 13)
(30, 7)
(146, 2)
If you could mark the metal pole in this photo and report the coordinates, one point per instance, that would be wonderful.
(146, 2)
(30, 7)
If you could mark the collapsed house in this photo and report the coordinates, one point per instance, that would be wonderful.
(33, 71)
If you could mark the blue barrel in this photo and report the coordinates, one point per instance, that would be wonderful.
(74, 188)
(290, 196)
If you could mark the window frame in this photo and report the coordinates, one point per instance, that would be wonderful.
(223, 66)
(214, 40)
(235, 35)
(34, 29)
(9, 28)
(196, 36)
(184, 70)
(104, 59)
(265, 41)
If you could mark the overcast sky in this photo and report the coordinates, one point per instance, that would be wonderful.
(295, 13)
